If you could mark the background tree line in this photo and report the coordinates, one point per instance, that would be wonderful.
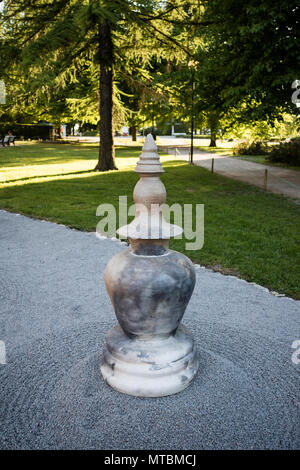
(117, 61)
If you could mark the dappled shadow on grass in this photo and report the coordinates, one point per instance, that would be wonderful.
(29, 178)
(43, 154)
(71, 201)
(41, 157)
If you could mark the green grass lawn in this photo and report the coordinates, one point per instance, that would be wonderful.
(262, 159)
(228, 151)
(254, 158)
(225, 151)
(248, 232)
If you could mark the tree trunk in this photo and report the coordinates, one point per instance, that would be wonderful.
(106, 150)
(133, 133)
(213, 122)
(213, 140)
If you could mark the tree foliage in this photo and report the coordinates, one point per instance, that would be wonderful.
(124, 60)
(254, 46)
(87, 44)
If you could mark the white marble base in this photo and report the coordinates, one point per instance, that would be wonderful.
(149, 367)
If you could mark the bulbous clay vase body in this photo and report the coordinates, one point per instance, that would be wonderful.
(149, 354)
(149, 293)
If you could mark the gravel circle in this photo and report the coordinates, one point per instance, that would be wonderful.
(246, 394)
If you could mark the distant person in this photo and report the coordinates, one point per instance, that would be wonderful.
(125, 130)
(8, 138)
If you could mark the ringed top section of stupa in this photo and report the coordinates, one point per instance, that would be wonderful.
(149, 161)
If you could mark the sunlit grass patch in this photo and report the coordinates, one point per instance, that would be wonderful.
(38, 162)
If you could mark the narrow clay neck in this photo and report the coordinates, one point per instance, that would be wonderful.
(149, 247)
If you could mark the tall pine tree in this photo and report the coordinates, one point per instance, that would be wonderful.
(48, 41)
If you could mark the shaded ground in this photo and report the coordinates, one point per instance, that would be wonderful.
(54, 315)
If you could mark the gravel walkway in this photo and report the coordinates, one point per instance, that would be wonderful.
(54, 314)
(279, 180)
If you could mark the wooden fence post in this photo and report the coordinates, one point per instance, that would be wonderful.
(265, 179)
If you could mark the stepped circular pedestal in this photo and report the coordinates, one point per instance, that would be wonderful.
(152, 368)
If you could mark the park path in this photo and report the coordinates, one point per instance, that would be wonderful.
(279, 180)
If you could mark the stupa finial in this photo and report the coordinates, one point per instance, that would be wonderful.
(149, 161)
(149, 196)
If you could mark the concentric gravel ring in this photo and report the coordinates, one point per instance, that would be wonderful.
(53, 396)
